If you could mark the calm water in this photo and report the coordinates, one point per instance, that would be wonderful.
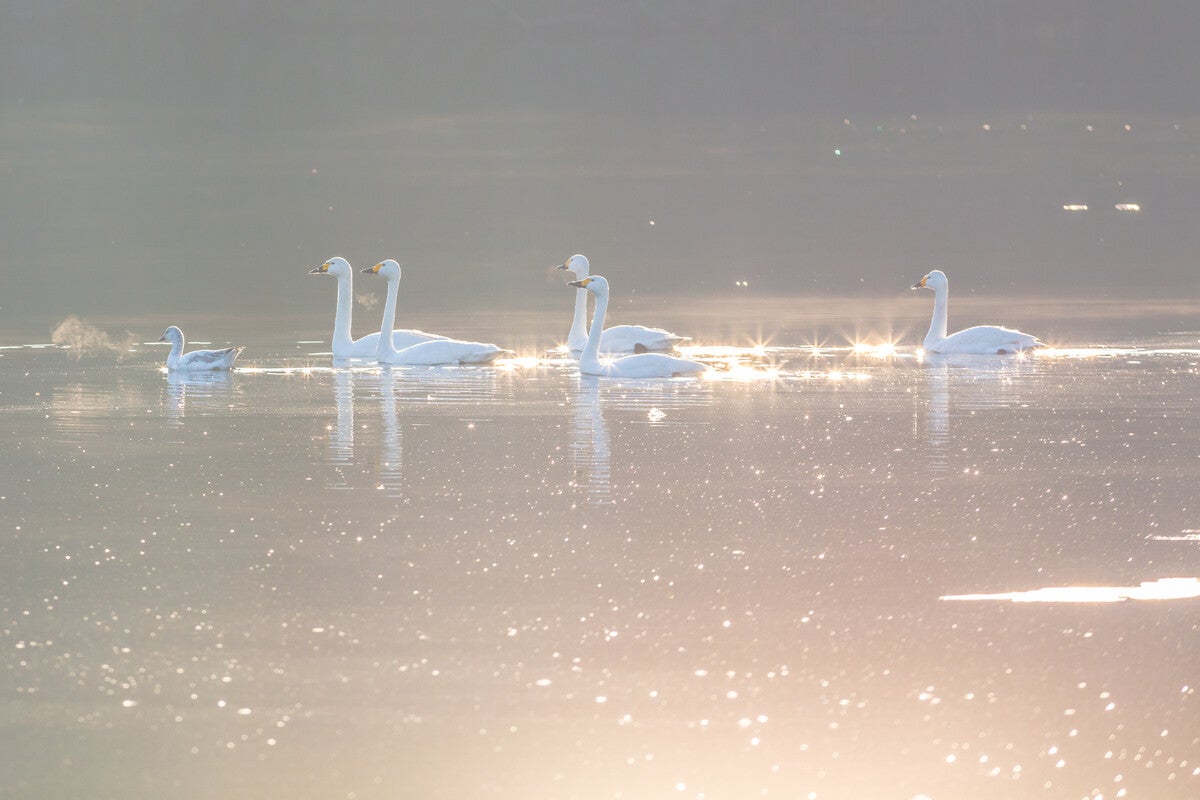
(305, 582)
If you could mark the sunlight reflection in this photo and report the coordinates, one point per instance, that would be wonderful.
(518, 362)
(883, 350)
(1162, 589)
(1083, 352)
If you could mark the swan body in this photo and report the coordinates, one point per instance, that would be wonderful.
(179, 361)
(642, 365)
(344, 346)
(979, 340)
(618, 338)
(428, 353)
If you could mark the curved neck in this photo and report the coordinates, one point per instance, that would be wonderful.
(386, 348)
(176, 350)
(345, 307)
(577, 338)
(591, 353)
(937, 325)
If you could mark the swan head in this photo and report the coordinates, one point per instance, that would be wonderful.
(577, 264)
(936, 280)
(336, 266)
(172, 335)
(388, 268)
(596, 284)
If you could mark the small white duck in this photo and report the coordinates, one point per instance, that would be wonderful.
(979, 340)
(179, 361)
(618, 338)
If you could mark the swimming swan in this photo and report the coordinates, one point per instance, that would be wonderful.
(642, 365)
(343, 345)
(430, 353)
(982, 339)
(179, 361)
(618, 338)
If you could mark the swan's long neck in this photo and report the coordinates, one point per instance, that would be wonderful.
(176, 350)
(386, 348)
(937, 325)
(345, 307)
(578, 336)
(591, 352)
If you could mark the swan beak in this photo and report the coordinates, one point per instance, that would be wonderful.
(316, 271)
(562, 266)
(372, 270)
(921, 283)
(162, 338)
(580, 284)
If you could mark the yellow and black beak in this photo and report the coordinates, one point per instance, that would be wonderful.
(580, 284)
(321, 270)
(563, 266)
(373, 270)
(921, 283)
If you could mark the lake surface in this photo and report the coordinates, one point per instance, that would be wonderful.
(822, 573)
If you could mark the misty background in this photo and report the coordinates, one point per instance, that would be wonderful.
(176, 158)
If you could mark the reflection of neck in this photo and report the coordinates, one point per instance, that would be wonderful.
(386, 348)
(589, 360)
(577, 338)
(345, 307)
(343, 394)
(937, 325)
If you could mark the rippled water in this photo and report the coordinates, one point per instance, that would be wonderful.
(820, 574)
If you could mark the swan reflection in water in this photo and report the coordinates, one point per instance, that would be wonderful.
(937, 419)
(195, 388)
(347, 382)
(979, 382)
(341, 433)
(590, 454)
(391, 451)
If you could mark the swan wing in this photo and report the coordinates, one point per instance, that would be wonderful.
(987, 339)
(447, 351)
(651, 365)
(209, 359)
(628, 338)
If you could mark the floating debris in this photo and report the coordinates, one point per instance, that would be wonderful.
(1128, 207)
(1074, 207)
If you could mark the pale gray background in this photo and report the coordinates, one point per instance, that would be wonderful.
(174, 157)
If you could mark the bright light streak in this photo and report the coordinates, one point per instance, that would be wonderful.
(1162, 589)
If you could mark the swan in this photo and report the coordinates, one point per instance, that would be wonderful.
(343, 345)
(430, 353)
(177, 360)
(618, 338)
(982, 339)
(642, 365)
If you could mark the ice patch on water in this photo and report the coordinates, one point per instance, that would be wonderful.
(1187, 535)
(1162, 589)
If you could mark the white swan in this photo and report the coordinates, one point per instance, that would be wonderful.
(618, 338)
(177, 360)
(981, 340)
(343, 345)
(642, 365)
(430, 353)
